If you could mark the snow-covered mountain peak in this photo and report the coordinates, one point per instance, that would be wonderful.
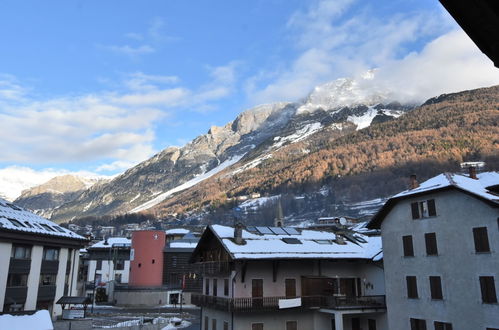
(345, 92)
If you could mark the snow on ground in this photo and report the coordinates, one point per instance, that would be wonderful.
(299, 135)
(38, 321)
(187, 184)
(254, 204)
(253, 163)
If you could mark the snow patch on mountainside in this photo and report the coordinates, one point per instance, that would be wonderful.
(299, 135)
(252, 164)
(187, 184)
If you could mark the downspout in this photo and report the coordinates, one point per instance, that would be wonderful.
(73, 259)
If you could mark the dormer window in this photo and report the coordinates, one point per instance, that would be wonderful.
(423, 209)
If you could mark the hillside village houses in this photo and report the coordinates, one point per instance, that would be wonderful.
(39, 261)
(441, 253)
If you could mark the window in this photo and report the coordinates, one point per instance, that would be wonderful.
(206, 322)
(226, 287)
(48, 279)
(117, 278)
(488, 289)
(436, 287)
(257, 326)
(207, 286)
(423, 209)
(120, 264)
(481, 239)
(50, 254)
(291, 325)
(226, 325)
(98, 265)
(442, 325)
(214, 324)
(290, 286)
(431, 244)
(17, 280)
(408, 247)
(215, 287)
(20, 252)
(418, 324)
(47, 227)
(371, 324)
(412, 287)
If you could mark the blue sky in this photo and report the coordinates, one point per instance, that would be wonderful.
(98, 86)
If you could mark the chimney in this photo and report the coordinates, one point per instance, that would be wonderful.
(238, 233)
(339, 239)
(472, 172)
(413, 182)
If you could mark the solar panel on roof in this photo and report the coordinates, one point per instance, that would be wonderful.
(291, 231)
(264, 230)
(251, 229)
(278, 231)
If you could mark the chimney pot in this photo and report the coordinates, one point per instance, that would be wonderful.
(472, 172)
(413, 182)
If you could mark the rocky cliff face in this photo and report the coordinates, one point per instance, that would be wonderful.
(341, 106)
(43, 199)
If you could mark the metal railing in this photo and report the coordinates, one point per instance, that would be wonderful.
(272, 303)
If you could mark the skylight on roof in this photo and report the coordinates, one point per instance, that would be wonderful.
(251, 229)
(291, 240)
(16, 223)
(47, 227)
(59, 229)
(28, 224)
(323, 241)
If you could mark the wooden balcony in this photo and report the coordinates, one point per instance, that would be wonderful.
(214, 267)
(272, 303)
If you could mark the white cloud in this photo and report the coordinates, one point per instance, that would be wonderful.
(336, 39)
(15, 179)
(131, 50)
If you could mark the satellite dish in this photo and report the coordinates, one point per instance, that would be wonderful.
(343, 221)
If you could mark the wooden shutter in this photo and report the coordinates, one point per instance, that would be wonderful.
(215, 287)
(290, 284)
(436, 287)
(226, 325)
(417, 324)
(291, 325)
(257, 326)
(415, 210)
(226, 287)
(431, 244)
(214, 324)
(432, 211)
(488, 289)
(412, 287)
(408, 247)
(442, 325)
(371, 324)
(481, 239)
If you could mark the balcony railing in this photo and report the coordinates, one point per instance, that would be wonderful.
(214, 267)
(272, 303)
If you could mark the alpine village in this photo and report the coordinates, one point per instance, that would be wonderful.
(345, 210)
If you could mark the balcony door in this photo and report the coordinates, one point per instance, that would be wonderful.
(290, 284)
(257, 292)
(348, 287)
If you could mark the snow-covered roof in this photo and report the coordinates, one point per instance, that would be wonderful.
(13, 217)
(474, 186)
(112, 242)
(477, 187)
(176, 231)
(301, 244)
(40, 320)
(183, 245)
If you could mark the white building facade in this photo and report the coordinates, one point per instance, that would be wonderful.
(441, 254)
(283, 278)
(39, 261)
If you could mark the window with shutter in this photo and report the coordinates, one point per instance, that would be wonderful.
(442, 325)
(408, 247)
(418, 324)
(481, 239)
(431, 244)
(415, 210)
(432, 211)
(436, 287)
(488, 289)
(412, 287)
